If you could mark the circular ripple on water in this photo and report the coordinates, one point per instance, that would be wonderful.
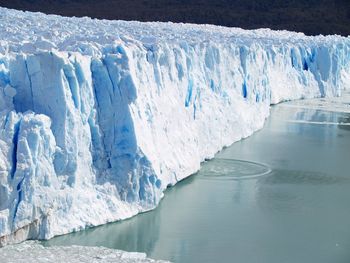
(232, 169)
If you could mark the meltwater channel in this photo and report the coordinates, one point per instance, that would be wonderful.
(279, 196)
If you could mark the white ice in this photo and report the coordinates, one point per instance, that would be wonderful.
(34, 252)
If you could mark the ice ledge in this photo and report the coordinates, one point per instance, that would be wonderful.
(34, 252)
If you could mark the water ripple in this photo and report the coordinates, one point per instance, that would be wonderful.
(232, 169)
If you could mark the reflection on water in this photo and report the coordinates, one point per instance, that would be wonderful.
(280, 176)
(343, 120)
(130, 235)
(289, 203)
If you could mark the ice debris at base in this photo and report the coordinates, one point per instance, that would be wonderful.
(98, 117)
(332, 104)
(34, 252)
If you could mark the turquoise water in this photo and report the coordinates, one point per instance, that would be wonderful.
(279, 196)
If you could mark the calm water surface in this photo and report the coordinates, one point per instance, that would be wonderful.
(280, 196)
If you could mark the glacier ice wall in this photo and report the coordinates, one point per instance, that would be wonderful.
(99, 117)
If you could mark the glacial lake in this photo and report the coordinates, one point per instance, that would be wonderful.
(279, 196)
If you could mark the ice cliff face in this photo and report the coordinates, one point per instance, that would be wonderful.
(98, 117)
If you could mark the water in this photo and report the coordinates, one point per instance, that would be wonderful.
(280, 196)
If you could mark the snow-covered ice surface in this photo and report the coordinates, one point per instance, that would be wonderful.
(98, 117)
(34, 252)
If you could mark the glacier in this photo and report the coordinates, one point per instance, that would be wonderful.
(99, 117)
